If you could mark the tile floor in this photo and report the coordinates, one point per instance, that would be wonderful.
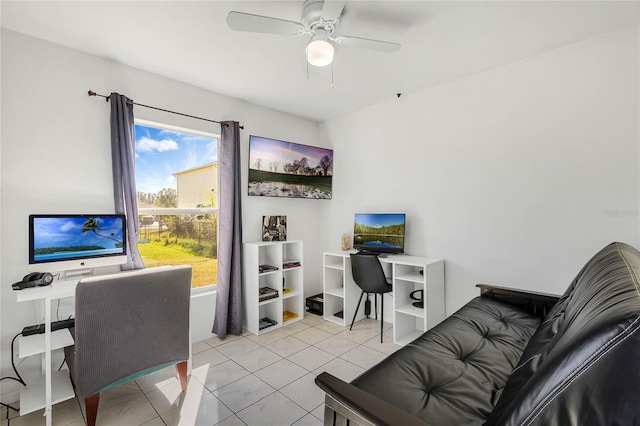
(242, 380)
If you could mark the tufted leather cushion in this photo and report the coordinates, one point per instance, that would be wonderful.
(453, 374)
(582, 365)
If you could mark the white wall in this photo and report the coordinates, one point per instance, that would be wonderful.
(56, 155)
(515, 176)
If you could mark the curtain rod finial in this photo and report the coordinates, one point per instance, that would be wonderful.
(92, 93)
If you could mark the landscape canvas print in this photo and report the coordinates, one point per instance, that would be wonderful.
(287, 169)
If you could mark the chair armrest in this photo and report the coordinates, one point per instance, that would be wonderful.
(363, 404)
(531, 301)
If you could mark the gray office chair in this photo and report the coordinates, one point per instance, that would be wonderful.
(127, 325)
(369, 276)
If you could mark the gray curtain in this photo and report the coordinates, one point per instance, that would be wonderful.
(228, 315)
(124, 173)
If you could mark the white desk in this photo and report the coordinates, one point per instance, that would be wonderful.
(408, 273)
(51, 387)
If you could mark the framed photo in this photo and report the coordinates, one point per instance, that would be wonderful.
(287, 169)
(274, 228)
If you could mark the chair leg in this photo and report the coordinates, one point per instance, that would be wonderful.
(367, 306)
(91, 407)
(182, 373)
(381, 315)
(356, 312)
(375, 298)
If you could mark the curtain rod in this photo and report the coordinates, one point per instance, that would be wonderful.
(106, 98)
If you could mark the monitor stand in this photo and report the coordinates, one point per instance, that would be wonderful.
(77, 273)
(371, 253)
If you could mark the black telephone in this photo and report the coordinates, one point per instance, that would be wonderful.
(33, 279)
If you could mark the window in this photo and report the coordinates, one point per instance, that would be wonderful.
(177, 185)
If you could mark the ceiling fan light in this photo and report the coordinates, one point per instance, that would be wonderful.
(319, 52)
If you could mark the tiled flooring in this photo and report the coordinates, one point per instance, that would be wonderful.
(242, 380)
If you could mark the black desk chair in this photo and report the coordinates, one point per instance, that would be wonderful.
(368, 275)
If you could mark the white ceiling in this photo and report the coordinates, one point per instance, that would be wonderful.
(441, 41)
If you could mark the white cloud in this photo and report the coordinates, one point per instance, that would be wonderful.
(67, 226)
(145, 144)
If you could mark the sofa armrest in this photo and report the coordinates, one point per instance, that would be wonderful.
(359, 407)
(533, 302)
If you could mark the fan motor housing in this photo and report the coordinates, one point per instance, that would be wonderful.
(312, 14)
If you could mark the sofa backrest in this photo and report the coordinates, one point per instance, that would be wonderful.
(582, 366)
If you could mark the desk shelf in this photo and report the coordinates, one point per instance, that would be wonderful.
(409, 309)
(425, 276)
(408, 337)
(340, 292)
(414, 276)
(34, 345)
(32, 397)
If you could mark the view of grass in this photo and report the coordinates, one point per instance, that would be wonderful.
(321, 182)
(158, 252)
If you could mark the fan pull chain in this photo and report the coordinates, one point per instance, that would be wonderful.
(332, 74)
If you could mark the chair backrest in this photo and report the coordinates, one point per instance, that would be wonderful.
(368, 273)
(130, 322)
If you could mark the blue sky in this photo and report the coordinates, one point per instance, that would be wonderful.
(377, 220)
(67, 232)
(160, 153)
(271, 150)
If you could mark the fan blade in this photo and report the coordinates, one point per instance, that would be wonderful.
(332, 9)
(239, 21)
(383, 46)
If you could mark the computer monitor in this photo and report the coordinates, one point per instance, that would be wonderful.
(379, 232)
(72, 242)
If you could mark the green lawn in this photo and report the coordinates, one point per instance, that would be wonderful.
(320, 182)
(156, 253)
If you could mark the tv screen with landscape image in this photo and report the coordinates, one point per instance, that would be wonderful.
(379, 232)
(71, 241)
(287, 169)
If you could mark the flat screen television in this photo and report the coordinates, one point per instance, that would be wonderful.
(72, 242)
(286, 169)
(379, 232)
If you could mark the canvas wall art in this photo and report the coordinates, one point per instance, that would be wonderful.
(287, 169)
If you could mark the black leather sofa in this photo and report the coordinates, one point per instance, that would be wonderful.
(510, 357)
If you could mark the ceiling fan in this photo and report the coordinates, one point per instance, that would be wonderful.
(320, 19)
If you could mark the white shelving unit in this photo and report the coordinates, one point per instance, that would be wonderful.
(287, 281)
(340, 292)
(410, 274)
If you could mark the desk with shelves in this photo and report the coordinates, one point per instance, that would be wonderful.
(51, 387)
(408, 274)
